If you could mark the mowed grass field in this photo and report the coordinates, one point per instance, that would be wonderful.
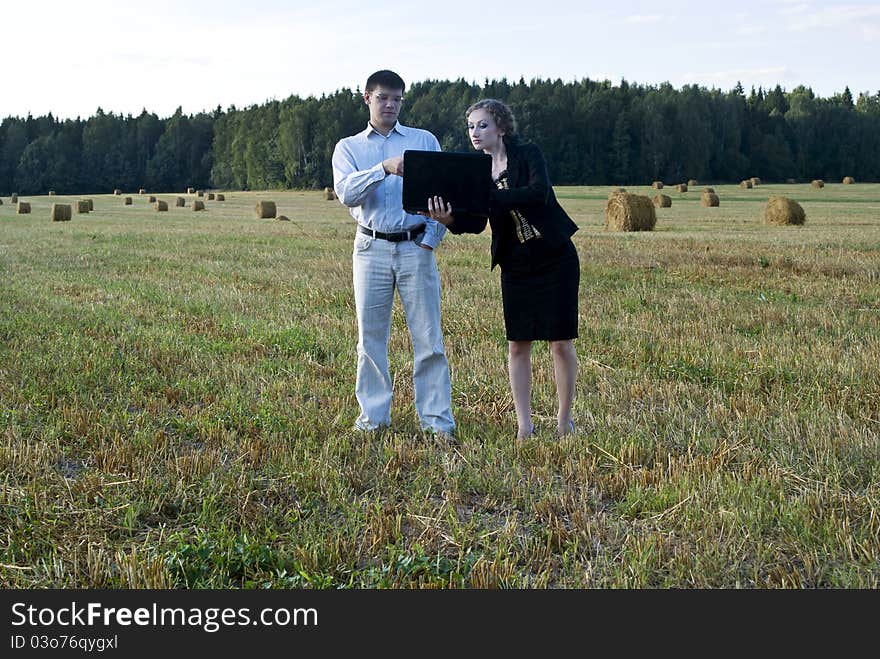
(176, 405)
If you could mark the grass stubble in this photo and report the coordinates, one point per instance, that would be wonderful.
(176, 406)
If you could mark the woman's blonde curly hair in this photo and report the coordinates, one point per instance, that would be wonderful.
(500, 112)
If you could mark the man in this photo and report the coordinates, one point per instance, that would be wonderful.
(393, 250)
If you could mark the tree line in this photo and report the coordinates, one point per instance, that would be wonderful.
(592, 133)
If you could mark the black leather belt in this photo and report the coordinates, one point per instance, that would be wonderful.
(394, 237)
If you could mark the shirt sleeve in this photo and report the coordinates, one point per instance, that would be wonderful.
(434, 231)
(351, 184)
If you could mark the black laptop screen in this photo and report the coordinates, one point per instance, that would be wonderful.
(462, 179)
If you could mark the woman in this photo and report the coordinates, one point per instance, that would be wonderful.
(531, 241)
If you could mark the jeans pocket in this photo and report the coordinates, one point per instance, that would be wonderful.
(362, 242)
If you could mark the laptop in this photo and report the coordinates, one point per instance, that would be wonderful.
(462, 179)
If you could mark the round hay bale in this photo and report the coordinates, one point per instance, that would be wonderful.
(151, 199)
(61, 212)
(629, 212)
(190, 190)
(708, 189)
(1, 202)
(681, 187)
(117, 192)
(161, 205)
(692, 182)
(198, 205)
(51, 193)
(82, 206)
(180, 202)
(23, 208)
(782, 210)
(221, 197)
(142, 191)
(329, 194)
(710, 199)
(755, 181)
(616, 190)
(126, 201)
(265, 209)
(200, 193)
(657, 185)
(848, 180)
(13, 198)
(91, 204)
(283, 218)
(210, 196)
(817, 183)
(662, 201)
(746, 184)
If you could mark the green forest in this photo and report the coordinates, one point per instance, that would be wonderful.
(592, 133)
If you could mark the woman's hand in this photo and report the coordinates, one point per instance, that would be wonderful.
(440, 211)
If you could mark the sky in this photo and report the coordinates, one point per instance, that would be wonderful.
(71, 57)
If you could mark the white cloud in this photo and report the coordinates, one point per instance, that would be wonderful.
(827, 18)
(643, 18)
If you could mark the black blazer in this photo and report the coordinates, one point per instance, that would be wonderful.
(530, 193)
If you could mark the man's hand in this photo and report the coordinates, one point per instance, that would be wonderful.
(439, 211)
(393, 165)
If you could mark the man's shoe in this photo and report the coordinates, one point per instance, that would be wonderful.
(441, 437)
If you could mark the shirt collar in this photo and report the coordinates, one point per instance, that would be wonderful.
(398, 127)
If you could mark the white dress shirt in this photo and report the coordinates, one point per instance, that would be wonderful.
(374, 198)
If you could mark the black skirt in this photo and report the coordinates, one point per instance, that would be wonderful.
(539, 289)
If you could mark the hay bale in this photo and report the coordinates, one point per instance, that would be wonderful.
(190, 190)
(746, 184)
(755, 181)
(23, 208)
(151, 199)
(161, 206)
(61, 212)
(692, 182)
(629, 212)
(221, 197)
(142, 191)
(283, 218)
(662, 201)
(265, 209)
(708, 189)
(657, 185)
(82, 206)
(117, 192)
(1, 202)
(210, 196)
(126, 201)
(329, 194)
(200, 193)
(710, 199)
(817, 183)
(681, 187)
(51, 193)
(848, 180)
(180, 202)
(782, 210)
(91, 204)
(198, 205)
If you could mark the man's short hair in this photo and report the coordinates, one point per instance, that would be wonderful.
(384, 78)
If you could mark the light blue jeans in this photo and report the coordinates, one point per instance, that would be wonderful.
(380, 267)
